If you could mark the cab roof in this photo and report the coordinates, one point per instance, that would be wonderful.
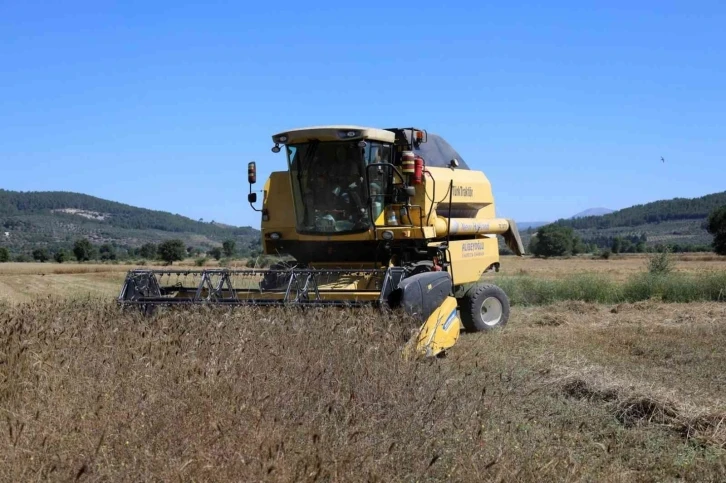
(435, 151)
(333, 133)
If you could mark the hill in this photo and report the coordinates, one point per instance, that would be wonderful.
(54, 219)
(593, 212)
(676, 209)
(678, 223)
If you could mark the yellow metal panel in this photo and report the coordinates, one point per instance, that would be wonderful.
(438, 333)
(470, 258)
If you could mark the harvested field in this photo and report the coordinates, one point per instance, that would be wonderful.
(617, 268)
(571, 391)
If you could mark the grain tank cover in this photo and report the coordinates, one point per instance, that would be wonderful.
(437, 152)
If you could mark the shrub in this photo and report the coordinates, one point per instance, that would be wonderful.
(199, 262)
(660, 263)
(215, 253)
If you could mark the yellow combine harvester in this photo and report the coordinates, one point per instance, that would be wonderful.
(388, 217)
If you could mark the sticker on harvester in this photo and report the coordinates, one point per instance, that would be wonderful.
(450, 320)
(472, 249)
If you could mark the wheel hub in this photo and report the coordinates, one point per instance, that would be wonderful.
(491, 311)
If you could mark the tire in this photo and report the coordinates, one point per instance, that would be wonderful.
(484, 308)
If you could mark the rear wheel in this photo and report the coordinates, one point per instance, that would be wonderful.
(484, 307)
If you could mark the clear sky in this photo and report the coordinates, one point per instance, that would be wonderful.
(565, 107)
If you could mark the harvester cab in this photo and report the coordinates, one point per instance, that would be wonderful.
(390, 217)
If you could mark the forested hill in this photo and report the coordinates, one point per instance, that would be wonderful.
(655, 212)
(108, 213)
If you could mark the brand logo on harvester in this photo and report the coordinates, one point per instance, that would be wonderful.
(472, 249)
(472, 246)
(464, 191)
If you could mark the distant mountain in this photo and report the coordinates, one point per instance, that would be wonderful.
(593, 212)
(525, 225)
(55, 219)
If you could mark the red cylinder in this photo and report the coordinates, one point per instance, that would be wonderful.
(417, 175)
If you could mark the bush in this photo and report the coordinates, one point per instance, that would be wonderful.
(60, 256)
(4, 255)
(199, 262)
(660, 263)
(526, 290)
(228, 248)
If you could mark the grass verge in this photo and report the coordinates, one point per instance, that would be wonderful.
(672, 287)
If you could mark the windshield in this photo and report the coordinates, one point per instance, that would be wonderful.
(329, 185)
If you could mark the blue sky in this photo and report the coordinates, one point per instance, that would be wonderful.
(564, 106)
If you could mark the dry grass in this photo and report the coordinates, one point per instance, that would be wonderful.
(23, 282)
(617, 268)
(568, 392)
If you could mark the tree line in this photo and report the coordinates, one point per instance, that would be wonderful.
(169, 251)
(655, 212)
(557, 239)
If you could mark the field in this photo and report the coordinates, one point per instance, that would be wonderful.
(569, 391)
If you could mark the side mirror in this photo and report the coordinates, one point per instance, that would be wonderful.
(252, 172)
(252, 197)
(410, 191)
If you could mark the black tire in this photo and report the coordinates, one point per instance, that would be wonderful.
(484, 296)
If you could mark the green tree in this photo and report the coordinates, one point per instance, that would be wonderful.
(107, 252)
(41, 255)
(82, 249)
(148, 250)
(60, 256)
(554, 241)
(4, 255)
(626, 246)
(172, 250)
(578, 246)
(717, 227)
(617, 245)
(228, 248)
(215, 253)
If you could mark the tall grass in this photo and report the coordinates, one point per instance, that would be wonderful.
(668, 287)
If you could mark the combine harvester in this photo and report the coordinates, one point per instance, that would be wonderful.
(383, 217)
